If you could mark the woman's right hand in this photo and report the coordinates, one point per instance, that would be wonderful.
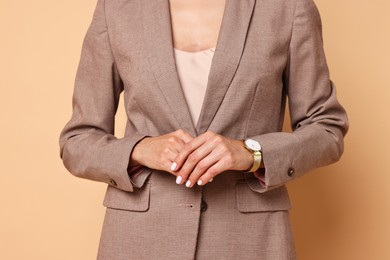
(159, 152)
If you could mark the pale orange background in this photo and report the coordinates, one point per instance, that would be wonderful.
(340, 212)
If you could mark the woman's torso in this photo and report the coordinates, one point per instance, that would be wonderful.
(246, 99)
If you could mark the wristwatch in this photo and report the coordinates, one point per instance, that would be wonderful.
(255, 148)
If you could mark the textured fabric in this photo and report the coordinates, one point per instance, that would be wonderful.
(138, 175)
(237, 224)
(266, 51)
(193, 71)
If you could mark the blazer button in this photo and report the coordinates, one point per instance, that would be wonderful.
(112, 182)
(203, 206)
(291, 171)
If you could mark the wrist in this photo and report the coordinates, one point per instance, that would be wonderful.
(254, 148)
(135, 156)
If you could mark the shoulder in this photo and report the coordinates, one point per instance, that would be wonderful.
(307, 16)
(121, 12)
(120, 4)
(287, 7)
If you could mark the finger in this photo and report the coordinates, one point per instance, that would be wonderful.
(166, 159)
(202, 166)
(176, 143)
(166, 165)
(186, 151)
(186, 137)
(213, 171)
(192, 160)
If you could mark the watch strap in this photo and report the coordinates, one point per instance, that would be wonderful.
(256, 161)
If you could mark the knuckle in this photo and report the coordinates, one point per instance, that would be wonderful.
(201, 166)
(223, 150)
(218, 138)
(179, 131)
(187, 147)
(209, 132)
(172, 139)
(212, 172)
(183, 173)
(229, 153)
(206, 134)
(226, 150)
(192, 158)
(229, 160)
(178, 158)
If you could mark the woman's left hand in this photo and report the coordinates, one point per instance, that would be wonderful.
(208, 155)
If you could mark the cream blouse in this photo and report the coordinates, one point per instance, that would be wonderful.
(193, 69)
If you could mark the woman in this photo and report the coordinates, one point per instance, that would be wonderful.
(199, 77)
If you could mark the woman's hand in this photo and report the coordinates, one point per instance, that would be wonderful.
(208, 155)
(159, 152)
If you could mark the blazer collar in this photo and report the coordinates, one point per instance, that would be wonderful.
(158, 43)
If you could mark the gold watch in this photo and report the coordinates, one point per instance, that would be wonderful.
(255, 148)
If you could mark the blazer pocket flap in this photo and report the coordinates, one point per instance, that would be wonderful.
(138, 200)
(251, 201)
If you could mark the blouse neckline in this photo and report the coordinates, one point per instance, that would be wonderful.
(196, 52)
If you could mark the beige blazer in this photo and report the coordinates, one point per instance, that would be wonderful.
(267, 50)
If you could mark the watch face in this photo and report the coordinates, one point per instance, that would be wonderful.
(252, 144)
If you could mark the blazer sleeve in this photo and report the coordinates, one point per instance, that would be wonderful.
(88, 146)
(318, 120)
(138, 175)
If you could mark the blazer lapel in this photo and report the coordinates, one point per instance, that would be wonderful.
(158, 43)
(227, 55)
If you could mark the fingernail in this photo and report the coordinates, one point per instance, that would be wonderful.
(173, 166)
(199, 182)
(178, 179)
(211, 180)
(188, 183)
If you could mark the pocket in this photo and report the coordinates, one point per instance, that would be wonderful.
(251, 201)
(138, 200)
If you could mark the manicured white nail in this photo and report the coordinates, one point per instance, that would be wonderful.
(173, 166)
(188, 183)
(211, 180)
(199, 182)
(178, 179)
